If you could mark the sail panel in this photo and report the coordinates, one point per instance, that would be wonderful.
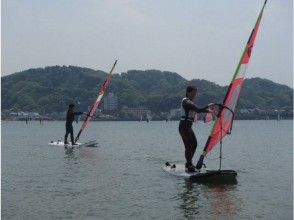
(97, 101)
(223, 124)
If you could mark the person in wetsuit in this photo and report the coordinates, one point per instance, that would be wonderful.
(70, 117)
(188, 112)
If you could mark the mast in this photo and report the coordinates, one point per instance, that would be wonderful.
(97, 101)
(223, 124)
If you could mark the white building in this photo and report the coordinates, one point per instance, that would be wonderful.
(139, 113)
(175, 113)
(28, 115)
(110, 102)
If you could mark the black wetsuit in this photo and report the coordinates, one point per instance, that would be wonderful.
(189, 109)
(70, 117)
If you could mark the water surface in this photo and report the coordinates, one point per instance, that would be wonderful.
(122, 178)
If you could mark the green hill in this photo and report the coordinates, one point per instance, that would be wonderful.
(50, 90)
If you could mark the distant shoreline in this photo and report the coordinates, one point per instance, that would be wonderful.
(259, 119)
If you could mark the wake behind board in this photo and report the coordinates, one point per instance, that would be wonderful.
(78, 145)
(207, 176)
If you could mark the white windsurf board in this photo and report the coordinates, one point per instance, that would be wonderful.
(78, 145)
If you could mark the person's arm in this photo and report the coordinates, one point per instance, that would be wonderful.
(189, 105)
(78, 113)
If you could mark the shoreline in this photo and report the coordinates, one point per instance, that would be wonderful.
(250, 119)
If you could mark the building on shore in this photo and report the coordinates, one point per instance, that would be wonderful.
(24, 116)
(140, 113)
(110, 102)
(28, 115)
(175, 113)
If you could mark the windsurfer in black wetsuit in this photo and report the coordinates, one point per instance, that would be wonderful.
(188, 112)
(70, 117)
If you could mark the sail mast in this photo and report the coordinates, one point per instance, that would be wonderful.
(223, 124)
(97, 101)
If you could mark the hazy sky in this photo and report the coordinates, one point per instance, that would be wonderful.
(195, 38)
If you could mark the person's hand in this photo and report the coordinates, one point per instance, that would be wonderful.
(210, 107)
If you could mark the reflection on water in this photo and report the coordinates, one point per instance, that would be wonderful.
(88, 153)
(222, 203)
(189, 195)
(209, 201)
(73, 157)
(69, 154)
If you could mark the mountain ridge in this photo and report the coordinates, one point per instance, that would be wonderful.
(50, 89)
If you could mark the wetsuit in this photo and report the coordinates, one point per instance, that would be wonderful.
(70, 117)
(189, 110)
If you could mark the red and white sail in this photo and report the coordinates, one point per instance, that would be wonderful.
(97, 101)
(223, 123)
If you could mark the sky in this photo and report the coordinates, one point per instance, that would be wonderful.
(200, 39)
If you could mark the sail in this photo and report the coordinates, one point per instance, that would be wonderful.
(97, 101)
(224, 121)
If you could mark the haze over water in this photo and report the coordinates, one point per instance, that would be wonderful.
(122, 178)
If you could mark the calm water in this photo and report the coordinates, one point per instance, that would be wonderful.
(122, 178)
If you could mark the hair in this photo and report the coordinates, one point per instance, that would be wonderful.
(71, 105)
(190, 89)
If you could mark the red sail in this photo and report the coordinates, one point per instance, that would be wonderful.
(97, 101)
(223, 123)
